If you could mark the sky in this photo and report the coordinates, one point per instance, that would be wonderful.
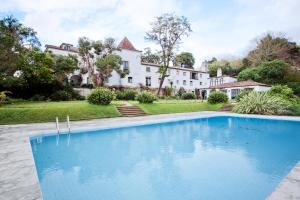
(221, 28)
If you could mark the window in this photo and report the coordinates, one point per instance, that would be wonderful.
(148, 69)
(191, 83)
(106, 79)
(200, 83)
(200, 75)
(148, 81)
(177, 72)
(88, 80)
(129, 79)
(221, 81)
(184, 73)
(177, 82)
(125, 65)
(184, 82)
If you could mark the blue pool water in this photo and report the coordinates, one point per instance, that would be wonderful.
(209, 158)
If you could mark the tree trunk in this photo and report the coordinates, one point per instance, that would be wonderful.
(163, 76)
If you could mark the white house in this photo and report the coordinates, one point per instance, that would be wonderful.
(146, 75)
(234, 88)
(140, 74)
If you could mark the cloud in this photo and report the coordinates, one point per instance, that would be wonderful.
(220, 29)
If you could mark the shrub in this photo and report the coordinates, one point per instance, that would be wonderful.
(37, 97)
(242, 94)
(217, 97)
(61, 95)
(181, 91)
(4, 99)
(145, 97)
(128, 94)
(168, 91)
(188, 95)
(101, 96)
(249, 74)
(284, 92)
(262, 103)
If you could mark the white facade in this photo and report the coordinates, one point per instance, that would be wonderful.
(233, 89)
(143, 74)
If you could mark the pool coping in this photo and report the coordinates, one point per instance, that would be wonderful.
(18, 176)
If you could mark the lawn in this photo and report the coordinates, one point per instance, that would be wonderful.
(29, 112)
(178, 106)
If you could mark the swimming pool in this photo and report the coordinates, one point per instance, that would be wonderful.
(205, 158)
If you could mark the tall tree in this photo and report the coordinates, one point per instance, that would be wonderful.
(184, 59)
(271, 47)
(64, 65)
(15, 39)
(106, 65)
(85, 47)
(89, 49)
(149, 57)
(167, 31)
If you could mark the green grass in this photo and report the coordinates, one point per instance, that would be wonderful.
(178, 106)
(30, 112)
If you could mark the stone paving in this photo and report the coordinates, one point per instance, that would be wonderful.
(18, 177)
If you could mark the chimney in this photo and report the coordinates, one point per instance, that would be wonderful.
(219, 72)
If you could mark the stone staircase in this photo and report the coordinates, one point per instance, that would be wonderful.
(130, 111)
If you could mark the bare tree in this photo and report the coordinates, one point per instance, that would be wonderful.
(167, 31)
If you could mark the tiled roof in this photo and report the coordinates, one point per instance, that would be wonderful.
(238, 84)
(72, 49)
(126, 44)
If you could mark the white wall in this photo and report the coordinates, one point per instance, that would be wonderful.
(254, 88)
(138, 72)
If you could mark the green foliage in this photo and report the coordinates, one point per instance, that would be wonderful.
(284, 92)
(262, 103)
(242, 94)
(295, 86)
(167, 31)
(188, 95)
(4, 98)
(145, 97)
(101, 96)
(168, 91)
(249, 74)
(127, 94)
(229, 67)
(37, 97)
(274, 72)
(185, 59)
(217, 97)
(270, 72)
(149, 57)
(181, 91)
(64, 65)
(14, 37)
(61, 95)
(106, 65)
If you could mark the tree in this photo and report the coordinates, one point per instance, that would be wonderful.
(15, 38)
(184, 59)
(149, 57)
(167, 31)
(64, 65)
(272, 47)
(249, 74)
(85, 51)
(106, 65)
(88, 49)
(274, 72)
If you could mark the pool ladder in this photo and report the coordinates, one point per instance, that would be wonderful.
(68, 124)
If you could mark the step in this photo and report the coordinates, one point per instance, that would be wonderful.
(130, 111)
